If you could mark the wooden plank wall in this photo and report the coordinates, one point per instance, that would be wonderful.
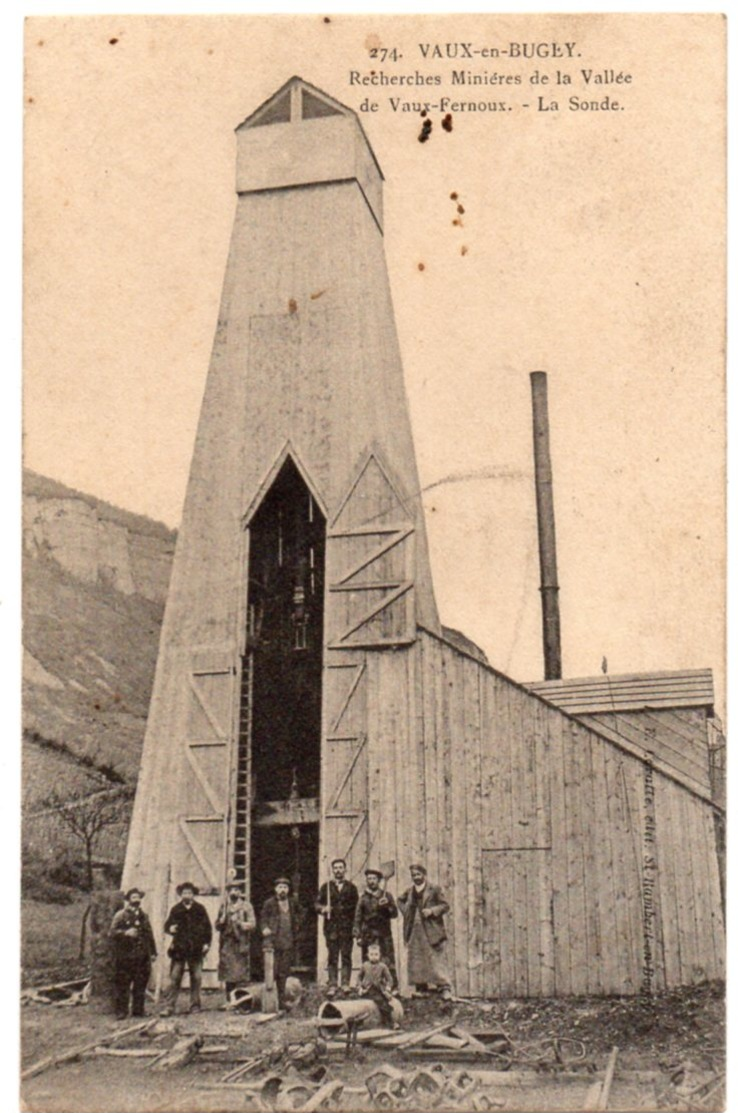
(676, 736)
(566, 861)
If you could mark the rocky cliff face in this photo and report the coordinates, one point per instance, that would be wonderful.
(95, 542)
(95, 579)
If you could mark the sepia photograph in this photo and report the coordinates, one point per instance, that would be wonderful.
(374, 563)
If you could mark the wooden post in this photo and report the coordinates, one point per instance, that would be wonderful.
(104, 903)
(270, 1000)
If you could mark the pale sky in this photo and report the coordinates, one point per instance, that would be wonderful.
(595, 246)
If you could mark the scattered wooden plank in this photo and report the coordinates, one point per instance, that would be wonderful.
(369, 1034)
(234, 1087)
(415, 1038)
(396, 1039)
(452, 1055)
(84, 1049)
(265, 1017)
(469, 1038)
(128, 1052)
(330, 1091)
(607, 1083)
(183, 1052)
(76, 983)
(243, 1068)
(449, 1043)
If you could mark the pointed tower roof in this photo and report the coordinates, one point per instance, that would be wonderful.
(324, 142)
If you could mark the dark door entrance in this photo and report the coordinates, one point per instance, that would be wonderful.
(277, 804)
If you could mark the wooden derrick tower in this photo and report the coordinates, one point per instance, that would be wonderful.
(307, 702)
(302, 546)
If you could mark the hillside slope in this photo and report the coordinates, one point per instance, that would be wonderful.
(94, 585)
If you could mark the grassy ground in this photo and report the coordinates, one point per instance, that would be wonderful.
(50, 935)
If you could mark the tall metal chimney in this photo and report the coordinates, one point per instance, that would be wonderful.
(546, 528)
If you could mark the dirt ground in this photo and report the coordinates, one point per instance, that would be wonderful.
(667, 1041)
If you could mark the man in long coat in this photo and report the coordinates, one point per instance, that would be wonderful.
(423, 907)
(336, 903)
(234, 923)
(373, 920)
(134, 950)
(189, 926)
(280, 927)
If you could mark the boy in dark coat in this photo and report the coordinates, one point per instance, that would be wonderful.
(280, 927)
(134, 950)
(189, 926)
(373, 920)
(336, 903)
(375, 981)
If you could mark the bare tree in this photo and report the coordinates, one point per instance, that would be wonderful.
(87, 817)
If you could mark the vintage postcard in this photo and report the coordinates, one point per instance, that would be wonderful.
(374, 563)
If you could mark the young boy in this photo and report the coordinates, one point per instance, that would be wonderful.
(375, 981)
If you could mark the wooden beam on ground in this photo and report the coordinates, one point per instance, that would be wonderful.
(414, 1039)
(84, 1049)
(330, 1091)
(183, 1052)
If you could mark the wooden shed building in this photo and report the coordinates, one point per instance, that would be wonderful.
(308, 703)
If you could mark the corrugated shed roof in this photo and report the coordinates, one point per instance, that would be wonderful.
(629, 692)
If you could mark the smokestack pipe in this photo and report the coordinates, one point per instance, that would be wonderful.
(546, 528)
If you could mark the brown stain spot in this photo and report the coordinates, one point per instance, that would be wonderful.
(457, 223)
(460, 209)
(447, 123)
(464, 250)
(112, 42)
(210, 50)
(292, 305)
(425, 131)
(454, 196)
(66, 204)
(421, 266)
(319, 294)
(326, 19)
(372, 42)
(31, 100)
(40, 42)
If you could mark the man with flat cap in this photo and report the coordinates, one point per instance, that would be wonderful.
(189, 926)
(336, 903)
(280, 927)
(375, 912)
(134, 950)
(423, 907)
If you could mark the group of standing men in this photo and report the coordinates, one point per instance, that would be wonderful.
(367, 918)
(348, 918)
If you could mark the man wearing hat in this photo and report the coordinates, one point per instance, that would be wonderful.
(235, 922)
(375, 912)
(189, 926)
(336, 903)
(423, 907)
(134, 950)
(280, 926)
